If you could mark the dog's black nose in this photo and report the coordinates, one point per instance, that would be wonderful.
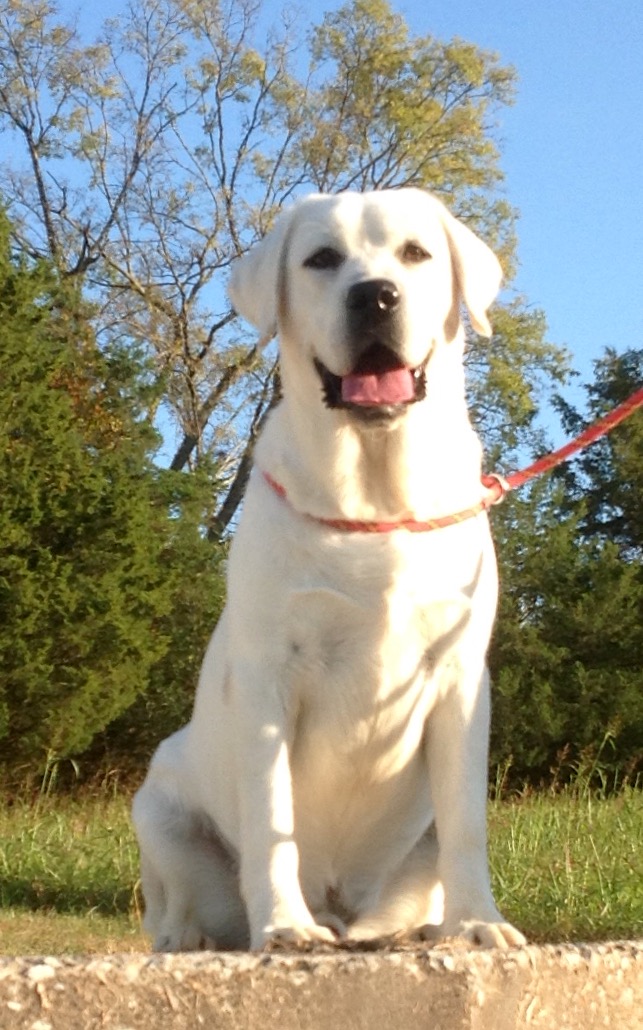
(373, 296)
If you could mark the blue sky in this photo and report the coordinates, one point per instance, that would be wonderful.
(572, 153)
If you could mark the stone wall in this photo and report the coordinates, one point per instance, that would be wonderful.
(448, 988)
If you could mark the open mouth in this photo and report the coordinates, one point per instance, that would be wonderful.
(380, 385)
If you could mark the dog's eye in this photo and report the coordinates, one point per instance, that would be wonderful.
(324, 258)
(413, 254)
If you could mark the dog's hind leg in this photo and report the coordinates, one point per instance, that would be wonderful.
(188, 877)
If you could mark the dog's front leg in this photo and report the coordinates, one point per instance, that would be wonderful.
(457, 743)
(269, 856)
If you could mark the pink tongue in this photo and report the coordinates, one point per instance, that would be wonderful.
(394, 387)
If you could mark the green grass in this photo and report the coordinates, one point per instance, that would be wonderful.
(568, 866)
(69, 877)
(565, 867)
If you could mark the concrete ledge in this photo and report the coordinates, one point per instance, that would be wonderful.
(584, 987)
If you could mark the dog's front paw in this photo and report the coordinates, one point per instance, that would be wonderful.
(291, 936)
(488, 934)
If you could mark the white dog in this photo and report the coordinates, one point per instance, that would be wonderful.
(332, 780)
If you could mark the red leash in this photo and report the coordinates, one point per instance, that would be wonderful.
(496, 486)
(594, 432)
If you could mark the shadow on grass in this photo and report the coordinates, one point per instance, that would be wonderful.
(33, 895)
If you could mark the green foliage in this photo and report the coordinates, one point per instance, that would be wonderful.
(192, 567)
(508, 375)
(392, 109)
(608, 476)
(89, 554)
(79, 582)
(567, 652)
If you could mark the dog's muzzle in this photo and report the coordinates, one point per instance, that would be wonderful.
(380, 385)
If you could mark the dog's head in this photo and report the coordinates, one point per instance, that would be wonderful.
(362, 287)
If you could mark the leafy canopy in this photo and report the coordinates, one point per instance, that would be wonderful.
(146, 160)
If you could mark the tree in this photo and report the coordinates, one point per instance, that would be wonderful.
(390, 110)
(566, 654)
(608, 476)
(192, 572)
(86, 530)
(158, 153)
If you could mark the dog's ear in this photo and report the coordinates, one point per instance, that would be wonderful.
(477, 271)
(256, 278)
(253, 286)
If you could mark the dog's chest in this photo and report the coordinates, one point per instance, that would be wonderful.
(371, 637)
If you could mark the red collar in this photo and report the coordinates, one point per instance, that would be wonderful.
(495, 486)
(495, 489)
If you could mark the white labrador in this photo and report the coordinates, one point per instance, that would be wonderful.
(333, 776)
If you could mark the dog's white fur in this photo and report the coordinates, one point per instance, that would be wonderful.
(333, 775)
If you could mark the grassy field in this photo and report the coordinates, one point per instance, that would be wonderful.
(565, 867)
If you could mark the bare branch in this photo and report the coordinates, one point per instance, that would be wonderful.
(237, 488)
(231, 375)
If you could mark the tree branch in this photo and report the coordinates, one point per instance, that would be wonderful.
(229, 376)
(235, 493)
